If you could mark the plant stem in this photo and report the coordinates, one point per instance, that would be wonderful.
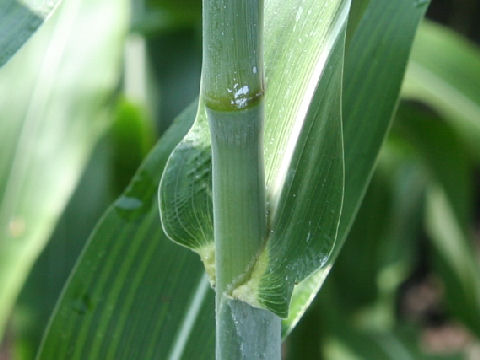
(232, 88)
(232, 72)
(243, 332)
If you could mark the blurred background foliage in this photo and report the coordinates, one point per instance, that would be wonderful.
(407, 283)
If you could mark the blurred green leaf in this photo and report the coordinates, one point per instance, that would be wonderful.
(175, 59)
(359, 345)
(449, 208)
(380, 250)
(456, 260)
(50, 271)
(131, 138)
(19, 19)
(444, 72)
(332, 333)
(55, 95)
(159, 16)
(442, 152)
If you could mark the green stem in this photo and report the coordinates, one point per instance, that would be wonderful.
(232, 72)
(243, 332)
(232, 88)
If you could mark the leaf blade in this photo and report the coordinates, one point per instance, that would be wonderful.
(73, 330)
(387, 30)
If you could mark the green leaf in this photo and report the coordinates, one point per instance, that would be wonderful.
(133, 293)
(357, 11)
(18, 21)
(444, 72)
(385, 33)
(54, 97)
(303, 151)
(370, 95)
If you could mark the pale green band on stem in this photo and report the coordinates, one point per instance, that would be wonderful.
(238, 191)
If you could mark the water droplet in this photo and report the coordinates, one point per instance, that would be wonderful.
(129, 207)
(128, 203)
(241, 95)
(83, 304)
